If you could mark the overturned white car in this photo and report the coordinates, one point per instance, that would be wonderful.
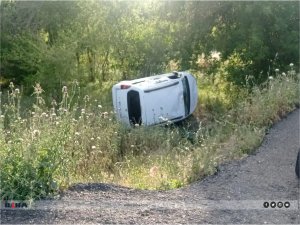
(156, 99)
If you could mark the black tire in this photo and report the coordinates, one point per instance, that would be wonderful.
(297, 169)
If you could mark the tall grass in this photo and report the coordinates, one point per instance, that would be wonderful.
(44, 149)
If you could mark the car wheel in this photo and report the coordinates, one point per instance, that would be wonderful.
(297, 169)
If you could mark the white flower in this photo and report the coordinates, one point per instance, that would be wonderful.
(92, 139)
(215, 55)
(35, 133)
(291, 64)
(77, 133)
(99, 106)
(132, 146)
(93, 147)
(276, 70)
(153, 172)
(271, 78)
(64, 89)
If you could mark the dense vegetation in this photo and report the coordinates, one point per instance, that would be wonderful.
(56, 42)
(59, 60)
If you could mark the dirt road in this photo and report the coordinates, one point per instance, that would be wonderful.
(239, 193)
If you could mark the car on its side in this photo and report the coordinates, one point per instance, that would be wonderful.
(158, 99)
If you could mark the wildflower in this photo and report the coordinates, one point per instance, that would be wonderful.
(82, 111)
(100, 106)
(283, 74)
(92, 139)
(86, 98)
(215, 55)
(44, 114)
(53, 103)
(291, 64)
(17, 91)
(98, 138)
(271, 78)
(64, 89)
(153, 172)
(41, 101)
(36, 133)
(11, 85)
(132, 146)
(276, 70)
(2, 116)
(104, 114)
(32, 113)
(77, 133)
(93, 147)
(38, 89)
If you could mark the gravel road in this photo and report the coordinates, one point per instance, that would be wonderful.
(237, 194)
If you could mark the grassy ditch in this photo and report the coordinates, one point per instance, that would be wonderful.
(45, 149)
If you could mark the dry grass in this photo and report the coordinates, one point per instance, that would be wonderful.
(45, 149)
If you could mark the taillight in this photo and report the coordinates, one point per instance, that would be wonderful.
(125, 86)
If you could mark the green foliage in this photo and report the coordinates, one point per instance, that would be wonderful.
(54, 43)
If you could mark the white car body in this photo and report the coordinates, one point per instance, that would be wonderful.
(156, 99)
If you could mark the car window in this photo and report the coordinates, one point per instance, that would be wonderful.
(134, 107)
(186, 95)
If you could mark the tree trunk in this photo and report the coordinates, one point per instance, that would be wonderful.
(91, 65)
